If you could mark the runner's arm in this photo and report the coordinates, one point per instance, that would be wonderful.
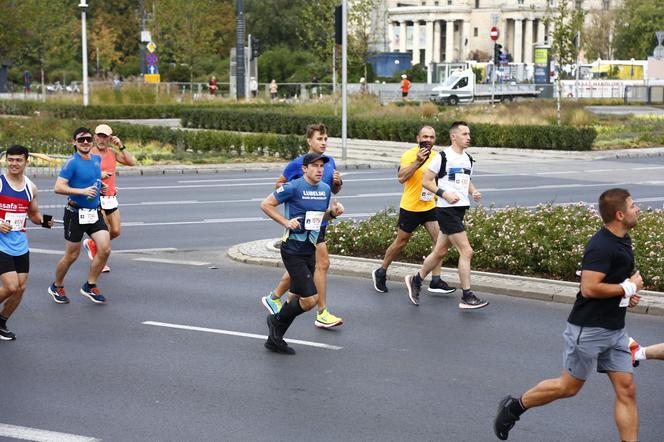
(269, 206)
(34, 213)
(124, 157)
(280, 181)
(593, 287)
(429, 183)
(62, 187)
(337, 182)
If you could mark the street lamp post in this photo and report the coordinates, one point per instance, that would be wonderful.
(83, 6)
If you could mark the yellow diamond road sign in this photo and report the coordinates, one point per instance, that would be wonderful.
(151, 46)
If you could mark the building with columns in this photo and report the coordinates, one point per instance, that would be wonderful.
(450, 30)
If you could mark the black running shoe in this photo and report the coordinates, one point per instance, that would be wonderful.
(379, 279)
(470, 301)
(279, 347)
(6, 335)
(504, 420)
(441, 286)
(413, 289)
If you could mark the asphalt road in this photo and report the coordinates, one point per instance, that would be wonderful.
(123, 372)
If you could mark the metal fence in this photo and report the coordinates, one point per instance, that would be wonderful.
(644, 94)
(39, 164)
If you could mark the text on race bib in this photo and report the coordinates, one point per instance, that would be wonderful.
(16, 220)
(313, 220)
(87, 216)
(108, 202)
(425, 195)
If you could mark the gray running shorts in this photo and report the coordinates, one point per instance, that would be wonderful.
(589, 346)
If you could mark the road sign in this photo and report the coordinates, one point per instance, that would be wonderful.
(494, 33)
(151, 59)
(152, 70)
(151, 46)
(503, 59)
(152, 78)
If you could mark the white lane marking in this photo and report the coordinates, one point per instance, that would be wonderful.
(217, 180)
(240, 334)
(553, 186)
(60, 252)
(34, 434)
(173, 261)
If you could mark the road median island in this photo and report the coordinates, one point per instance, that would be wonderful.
(265, 252)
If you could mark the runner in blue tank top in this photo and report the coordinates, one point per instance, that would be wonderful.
(18, 202)
(80, 180)
(317, 140)
(307, 200)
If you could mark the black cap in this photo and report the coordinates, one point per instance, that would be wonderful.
(81, 130)
(312, 157)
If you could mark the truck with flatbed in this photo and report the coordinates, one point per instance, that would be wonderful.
(460, 87)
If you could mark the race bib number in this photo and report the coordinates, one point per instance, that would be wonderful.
(16, 220)
(313, 220)
(461, 183)
(624, 302)
(108, 202)
(87, 216)
(425, 195)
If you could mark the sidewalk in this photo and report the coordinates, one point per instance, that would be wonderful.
(263, 252)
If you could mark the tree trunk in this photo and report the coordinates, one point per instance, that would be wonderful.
(560, 93)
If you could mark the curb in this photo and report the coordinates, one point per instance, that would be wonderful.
(263, 252)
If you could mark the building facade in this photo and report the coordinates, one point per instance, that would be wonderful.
(451, 30)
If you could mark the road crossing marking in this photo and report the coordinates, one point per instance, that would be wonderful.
(240, 334)
(173, 261)
(37, 435)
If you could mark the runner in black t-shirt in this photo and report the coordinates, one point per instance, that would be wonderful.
(595, 331)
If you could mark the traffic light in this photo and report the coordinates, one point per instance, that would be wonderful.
(255, 47)
(497, 51)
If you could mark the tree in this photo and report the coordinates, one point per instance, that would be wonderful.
(566, 23)
(103, 41)
(186, 31)
(275, 22)
(360, 17)
(597, 36)
(638, 20)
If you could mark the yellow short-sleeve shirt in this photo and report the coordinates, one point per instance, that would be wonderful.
(412, 198)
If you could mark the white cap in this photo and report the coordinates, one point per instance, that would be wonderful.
(404, 76)
(104, 129)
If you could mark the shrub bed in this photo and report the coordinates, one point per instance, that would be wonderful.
(545, 242)
(51, 136)
(391, 129)
(64, 110)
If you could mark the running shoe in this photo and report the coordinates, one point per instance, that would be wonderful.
(6, 335)
(106, 269)
(633, 348)
(58, 294)
(275, 341)
(272, 305)
(470, 301)
(325, 319)
(379, 279)
(441, 286)
(91, 248)
(413, 289)
(93, 294)
(504, 420)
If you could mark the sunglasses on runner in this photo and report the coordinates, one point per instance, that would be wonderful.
(84, 139)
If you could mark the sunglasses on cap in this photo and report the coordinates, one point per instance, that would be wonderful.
(84, 139)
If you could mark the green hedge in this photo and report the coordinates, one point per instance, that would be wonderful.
(51, 136)
(391, 129)
(60, 110)
(545, 242)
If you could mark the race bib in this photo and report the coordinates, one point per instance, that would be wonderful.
(461, 183)
(313, 220)
(87, 216)
(16, 220)
(624, 302)
(425, 195)
(108, 202)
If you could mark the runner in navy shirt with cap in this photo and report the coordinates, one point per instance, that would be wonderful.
(306, 202)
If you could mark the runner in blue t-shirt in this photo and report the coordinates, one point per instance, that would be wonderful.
(317, 140)
(306, 202)
(80, 180)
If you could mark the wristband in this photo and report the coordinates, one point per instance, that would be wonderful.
(332, 216)
(629, 288)
(122, 147)
(440, 192)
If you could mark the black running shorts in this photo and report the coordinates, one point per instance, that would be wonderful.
(74, 231)
(301, 270)
(450, 219)
(18, 264)
(408, 221)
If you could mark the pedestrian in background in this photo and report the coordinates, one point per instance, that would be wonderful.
(405, 86)
(274, 87)
(212, 85)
